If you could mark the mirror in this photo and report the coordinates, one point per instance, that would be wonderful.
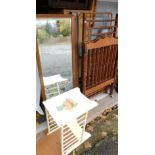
(56, 54)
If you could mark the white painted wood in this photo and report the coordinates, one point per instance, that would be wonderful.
(85, 137)
(53, 84)
(53, 79)
(64, 116)
(71, 121)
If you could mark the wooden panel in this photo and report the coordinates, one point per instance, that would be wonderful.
(107, 41)
(43, 96)
(97, 88)
(89, 67)
(100, 61)
(49, 145)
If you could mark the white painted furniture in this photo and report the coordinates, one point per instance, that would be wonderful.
(54, 85)
(71, 121)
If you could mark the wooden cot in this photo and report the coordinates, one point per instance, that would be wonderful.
(99, 65)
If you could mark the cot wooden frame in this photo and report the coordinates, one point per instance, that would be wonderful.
(99, 65)
(74, 51)
(89, 21)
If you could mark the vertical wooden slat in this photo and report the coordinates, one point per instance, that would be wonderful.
(103, 59)
(115, 70)
(110, 23)
(116, 26)
(84, 68)
(83, 28)
(114, 58)
(108, 62)
(92, 62)
(103, 64)
(93, 67)
(111, 61)
(100, 64)
(98, 68)
(88, 68)
(105, 71)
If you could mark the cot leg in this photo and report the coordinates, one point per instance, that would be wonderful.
(112, 89)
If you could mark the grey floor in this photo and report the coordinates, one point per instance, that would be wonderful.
(104, 103)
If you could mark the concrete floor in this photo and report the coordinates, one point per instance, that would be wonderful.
(104, 136)
(103, 127)
(104, 103)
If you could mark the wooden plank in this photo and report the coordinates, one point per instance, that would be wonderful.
(84, 68)
(49, 145)
(92, 5)
(99, 34)
(100, 64)
(98, 87)
(93, 67)
(89, 67)
(99, 13)
(109, 62)
(114, 59)
(97, 65)
(87, 20)
(107, 41)
(103, 64)
(43, 95)
(116, 26)
(101, 27)
(75, 70)
(54, 16)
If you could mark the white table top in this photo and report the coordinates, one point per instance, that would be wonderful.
(53, 79)
(64, 116)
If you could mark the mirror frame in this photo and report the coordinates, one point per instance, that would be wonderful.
(74, 51)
